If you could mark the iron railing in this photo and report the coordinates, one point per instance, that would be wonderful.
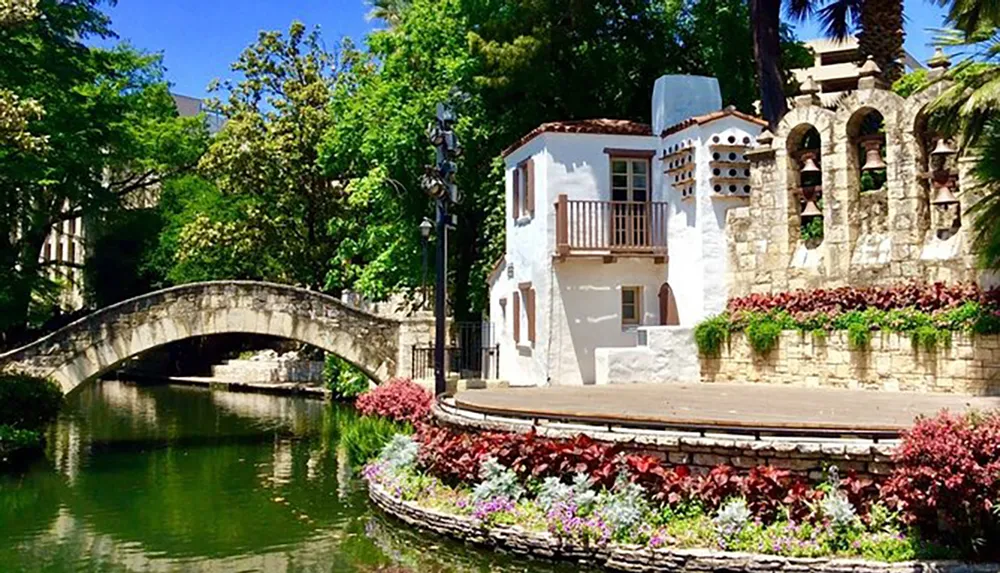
(481, 362)
(471, 353)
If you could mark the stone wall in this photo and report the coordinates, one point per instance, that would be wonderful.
(808, 457)
(270, 371)
(969, 365)
(633, 558)
(889, 236)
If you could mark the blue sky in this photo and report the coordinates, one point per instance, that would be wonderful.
(199, 39)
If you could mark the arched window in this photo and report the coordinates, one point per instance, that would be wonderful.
(938, 163)
(866, 131)
(806, 168)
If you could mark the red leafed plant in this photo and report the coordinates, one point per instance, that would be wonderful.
(399, 399)
(768, 489)
(456, 456)
(929, 297)
(721, 483)
(862, 492)
(666, 485)
(947, 480)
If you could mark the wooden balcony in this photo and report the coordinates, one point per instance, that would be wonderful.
(611, 228)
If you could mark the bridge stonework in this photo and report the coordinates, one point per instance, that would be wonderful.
(100, 342)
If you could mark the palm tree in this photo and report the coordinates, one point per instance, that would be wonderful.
(879, 25)
(389, 11)
(765, 17)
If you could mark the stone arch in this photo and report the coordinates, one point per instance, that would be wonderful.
(103, 340)
(918, 141)
(795, 122)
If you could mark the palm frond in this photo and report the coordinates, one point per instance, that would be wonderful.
(800, 10)
(985, 213)
(840, 17)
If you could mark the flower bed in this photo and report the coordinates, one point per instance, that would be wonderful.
(927, 313)
(579, 493)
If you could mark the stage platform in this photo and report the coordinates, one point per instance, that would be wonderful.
(732, 408)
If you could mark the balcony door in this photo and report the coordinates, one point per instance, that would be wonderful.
(629, 202)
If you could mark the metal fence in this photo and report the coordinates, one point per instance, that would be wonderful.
(471, 353)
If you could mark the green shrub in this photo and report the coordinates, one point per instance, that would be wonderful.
(859, 335)
(343, 379)
(763, 334)
(365, 436)
(17, 440)
(710, 334)
(28, 402)
(930, 337)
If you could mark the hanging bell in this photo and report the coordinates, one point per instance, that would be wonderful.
(811, 210)
(944, 196)
(873, 156)
(943, 148)
(809, 164)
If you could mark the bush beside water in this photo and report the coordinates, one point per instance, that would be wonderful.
(27, 405)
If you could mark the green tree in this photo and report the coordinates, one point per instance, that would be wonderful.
(264, 163)
(109, 128)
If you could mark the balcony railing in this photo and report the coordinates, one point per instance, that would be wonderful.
(611, 227)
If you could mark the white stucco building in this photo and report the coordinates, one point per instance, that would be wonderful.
(615, 233)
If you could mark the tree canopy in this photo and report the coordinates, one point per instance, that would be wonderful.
(92, 128)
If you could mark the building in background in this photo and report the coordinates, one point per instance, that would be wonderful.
(836, 67)
(67, 243)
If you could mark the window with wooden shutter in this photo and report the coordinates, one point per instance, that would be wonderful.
(516, 316)
(516, 199)
(529, 187)
(531, 314)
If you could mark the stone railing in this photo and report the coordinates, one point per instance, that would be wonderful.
(634, 558)
(968, 365)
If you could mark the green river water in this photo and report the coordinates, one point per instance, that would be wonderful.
(181, 479)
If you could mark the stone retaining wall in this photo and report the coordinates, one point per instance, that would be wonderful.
(633, 558)
(807, 457)
(270, 371)
(969, 365)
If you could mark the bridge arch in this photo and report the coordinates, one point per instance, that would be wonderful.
(106, 338)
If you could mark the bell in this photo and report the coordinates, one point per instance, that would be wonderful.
(873, 156)
(809, 164)
(944, 196)
(811, 210)
(943, 148)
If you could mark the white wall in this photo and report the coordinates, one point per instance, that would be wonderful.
(696, 231)
(586, 312)
(574, 164)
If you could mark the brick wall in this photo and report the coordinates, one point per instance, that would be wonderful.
(969, 365)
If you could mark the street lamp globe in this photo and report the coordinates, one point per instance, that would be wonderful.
(425, 228)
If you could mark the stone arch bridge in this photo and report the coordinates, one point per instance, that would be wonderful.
(378, 345)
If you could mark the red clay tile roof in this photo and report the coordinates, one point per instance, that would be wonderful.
(703, 119)
(599, 126)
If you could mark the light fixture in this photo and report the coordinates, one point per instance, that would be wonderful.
(873, 155)
(943, 148)
(425, 228)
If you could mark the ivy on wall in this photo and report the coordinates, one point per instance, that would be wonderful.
(928, 314)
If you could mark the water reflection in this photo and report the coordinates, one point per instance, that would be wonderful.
(181, 479)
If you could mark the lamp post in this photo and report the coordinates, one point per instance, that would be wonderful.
(439, 181)
(425, 233)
